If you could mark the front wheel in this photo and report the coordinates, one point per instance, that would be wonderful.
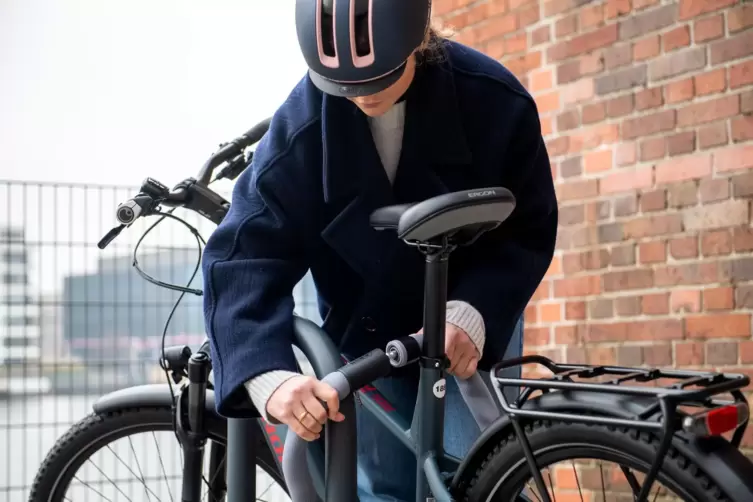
(580, 450)
(101, 458)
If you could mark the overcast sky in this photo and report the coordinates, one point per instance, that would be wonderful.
(112, 91)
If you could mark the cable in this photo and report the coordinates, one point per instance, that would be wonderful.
(200, 242)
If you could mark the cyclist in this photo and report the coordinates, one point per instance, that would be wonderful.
(389, 112)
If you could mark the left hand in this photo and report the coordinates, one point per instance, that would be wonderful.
(461, 351)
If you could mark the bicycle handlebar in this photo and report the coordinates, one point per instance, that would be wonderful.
(192, 193)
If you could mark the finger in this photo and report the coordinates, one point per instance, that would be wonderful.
(329, 395)
(300, 430)
(469, 369)
(315, 408)
(306, 419)
(450, 345)
(460, 363)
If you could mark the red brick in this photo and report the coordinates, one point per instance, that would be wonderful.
(679, 91)
(730, 48)
(578, 286)
(616, 8)
(598, 161)
(712, 190)
(742, 128)
(708, 111)
(653, 225)
(719, 215)
(653, 201)
(743, 239)
(718, 299)
(734, 158)
(683, 247)
(649, 98)
(649, 124)
(547, 102)
(685, 300)
(591, 16)
(629, 279)
(652, 252)
(740, 17)
(653, 149)
(581, 189)
(575, 311)
(594, 112)
(681, 143)
(712, 135)
(495, 27)
(741, 74)
(708, 28)
(676, 38)
(540, 80)
(683, 168)
(711, 82)
(626, 154)
(646, 48)
(540, 35)
(716, 243)
(718, 326)
(550, 312)
(627, 180)
(622, 105)
(689, 354)
(691, 273)
(694, 8)
(655, 304)
(566, 26)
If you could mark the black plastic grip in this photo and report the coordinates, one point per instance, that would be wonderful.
(367, 368)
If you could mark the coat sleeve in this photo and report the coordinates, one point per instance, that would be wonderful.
(500, 272)
(251, 264)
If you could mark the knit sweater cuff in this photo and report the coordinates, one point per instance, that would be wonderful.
(261, 388)
(467, 318)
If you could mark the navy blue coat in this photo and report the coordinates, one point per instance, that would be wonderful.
(305, 202)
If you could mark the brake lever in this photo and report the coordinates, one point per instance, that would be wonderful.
(110, 236)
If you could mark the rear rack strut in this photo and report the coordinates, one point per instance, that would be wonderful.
(668, 398)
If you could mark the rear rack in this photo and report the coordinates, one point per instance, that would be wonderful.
(666, 400)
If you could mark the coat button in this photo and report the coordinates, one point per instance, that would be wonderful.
(368, 324)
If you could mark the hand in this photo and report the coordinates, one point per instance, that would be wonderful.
(296, 404)
(461, 351)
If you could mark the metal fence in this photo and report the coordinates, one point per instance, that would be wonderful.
(76, 321)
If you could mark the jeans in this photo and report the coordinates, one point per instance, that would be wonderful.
(386, 468)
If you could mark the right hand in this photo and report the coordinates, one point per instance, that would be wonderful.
(296, 403)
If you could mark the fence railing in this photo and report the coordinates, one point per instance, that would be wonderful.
(76, 321)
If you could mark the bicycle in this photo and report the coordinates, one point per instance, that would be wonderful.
(628, 418)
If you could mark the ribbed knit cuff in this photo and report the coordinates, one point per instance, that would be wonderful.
(467, 318)
(261, 388)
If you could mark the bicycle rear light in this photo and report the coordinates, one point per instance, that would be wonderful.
(717, 421)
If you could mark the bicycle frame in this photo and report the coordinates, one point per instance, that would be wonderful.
(335, 471)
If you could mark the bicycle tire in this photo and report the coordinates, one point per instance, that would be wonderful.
(505, 471)
(95, 431)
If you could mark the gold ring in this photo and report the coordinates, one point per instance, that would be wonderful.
(303, 415)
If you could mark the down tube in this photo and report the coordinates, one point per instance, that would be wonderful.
(376, 404)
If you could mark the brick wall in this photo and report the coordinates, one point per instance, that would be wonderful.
(647, 111)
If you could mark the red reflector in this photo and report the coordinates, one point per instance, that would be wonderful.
(721, 420)
(717, 421)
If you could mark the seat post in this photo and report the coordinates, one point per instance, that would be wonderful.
(431, 390)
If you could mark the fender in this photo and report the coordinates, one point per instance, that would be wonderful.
(270, 437)
(724, 463)
(157, 394)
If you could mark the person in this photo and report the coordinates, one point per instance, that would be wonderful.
(390, 111)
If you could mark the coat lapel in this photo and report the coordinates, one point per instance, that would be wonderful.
(433, 155)
(355, 185)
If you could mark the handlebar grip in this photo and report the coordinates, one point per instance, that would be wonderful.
(255, 134)
(366, 369)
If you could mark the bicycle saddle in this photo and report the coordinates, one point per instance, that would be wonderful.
(422, 221)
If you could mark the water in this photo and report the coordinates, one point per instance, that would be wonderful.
(30, 427)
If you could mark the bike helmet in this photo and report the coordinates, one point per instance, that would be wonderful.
(359, 47)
